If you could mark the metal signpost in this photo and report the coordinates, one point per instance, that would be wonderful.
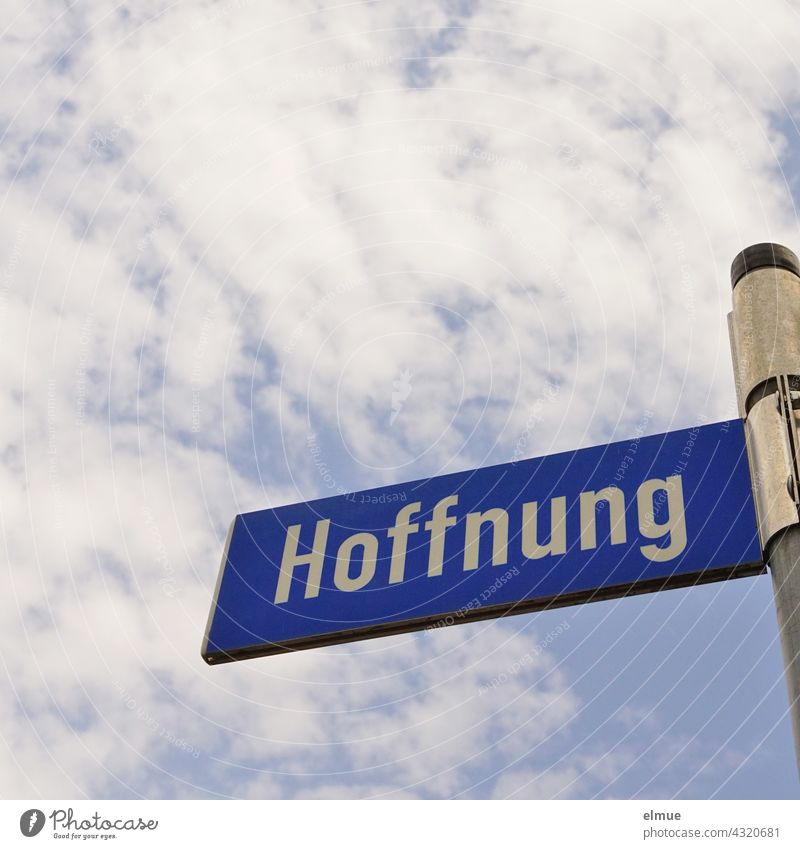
(654, 513)
(765, 341)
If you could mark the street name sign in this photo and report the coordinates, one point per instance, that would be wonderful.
(642, 515)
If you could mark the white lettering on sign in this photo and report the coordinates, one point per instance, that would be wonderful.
(357, 556)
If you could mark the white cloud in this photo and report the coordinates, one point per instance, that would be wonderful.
(230, 227)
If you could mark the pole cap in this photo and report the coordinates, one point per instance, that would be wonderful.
(763, 255)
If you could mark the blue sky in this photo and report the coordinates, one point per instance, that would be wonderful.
(230, 231)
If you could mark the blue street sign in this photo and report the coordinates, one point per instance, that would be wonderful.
(637, 516)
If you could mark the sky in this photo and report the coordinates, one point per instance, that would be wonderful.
(256, 253)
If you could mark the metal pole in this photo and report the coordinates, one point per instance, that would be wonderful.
(765, 342)
(784, 564)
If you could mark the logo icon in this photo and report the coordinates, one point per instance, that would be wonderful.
(31, 822)
(401, 389)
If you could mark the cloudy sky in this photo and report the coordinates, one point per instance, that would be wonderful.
(231, 231)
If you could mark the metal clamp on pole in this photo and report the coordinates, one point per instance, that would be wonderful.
(764, 329)
(771, 427)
